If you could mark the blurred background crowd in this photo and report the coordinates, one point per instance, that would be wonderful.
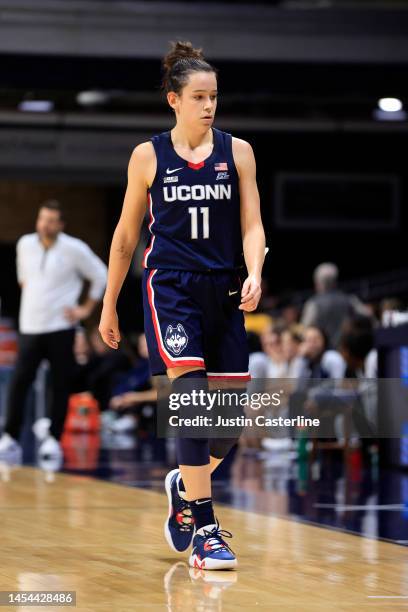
(330, 335)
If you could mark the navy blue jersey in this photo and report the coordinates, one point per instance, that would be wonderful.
(194, 209)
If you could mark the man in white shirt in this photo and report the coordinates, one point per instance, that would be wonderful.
(51, 268)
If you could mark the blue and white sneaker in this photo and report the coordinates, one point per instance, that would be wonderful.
(210, 551)
(179, 526)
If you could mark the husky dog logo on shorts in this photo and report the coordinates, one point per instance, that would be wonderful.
(176, 338)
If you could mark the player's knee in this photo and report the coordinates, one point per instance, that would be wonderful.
(191, 451)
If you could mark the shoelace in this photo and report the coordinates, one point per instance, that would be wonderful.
(215, 538)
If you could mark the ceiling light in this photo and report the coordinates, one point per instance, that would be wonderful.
(390, 105)
(92, 98)
(36, 106)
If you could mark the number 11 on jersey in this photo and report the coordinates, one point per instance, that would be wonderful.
(204, 210)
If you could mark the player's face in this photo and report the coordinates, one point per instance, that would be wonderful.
(197, 103)
(48, 223)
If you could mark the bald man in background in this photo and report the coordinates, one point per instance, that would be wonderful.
(330, 307)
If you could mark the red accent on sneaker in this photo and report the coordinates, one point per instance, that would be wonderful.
(198, 565)
(180, 519)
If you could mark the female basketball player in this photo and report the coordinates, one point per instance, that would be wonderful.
(201, 189)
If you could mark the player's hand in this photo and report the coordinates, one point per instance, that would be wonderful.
(250, 294)
(109, 327)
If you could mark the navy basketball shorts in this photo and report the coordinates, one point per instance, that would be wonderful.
(192, 319)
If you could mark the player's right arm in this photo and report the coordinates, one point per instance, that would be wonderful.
(141, 171)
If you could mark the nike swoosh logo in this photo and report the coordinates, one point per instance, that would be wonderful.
(232, 292)
(168, 171)
(203, 502)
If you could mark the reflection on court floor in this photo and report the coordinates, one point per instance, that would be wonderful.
(104, 541)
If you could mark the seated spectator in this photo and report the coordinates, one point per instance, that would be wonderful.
(271, 341)
(356, 343)
(291, 343)
(291, 367)
(259, 362)
(98, 366)
(319, 361)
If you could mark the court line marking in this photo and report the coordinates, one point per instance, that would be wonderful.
(387, 596)
(363, 507)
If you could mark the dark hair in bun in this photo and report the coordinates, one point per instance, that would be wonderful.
(180, 61)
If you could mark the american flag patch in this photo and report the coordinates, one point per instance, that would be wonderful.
(221, 167)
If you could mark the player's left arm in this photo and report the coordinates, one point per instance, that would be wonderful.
(253, 235)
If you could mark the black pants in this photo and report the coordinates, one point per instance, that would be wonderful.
(57, 347)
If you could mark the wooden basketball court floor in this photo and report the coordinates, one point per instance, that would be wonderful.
(105, 541)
